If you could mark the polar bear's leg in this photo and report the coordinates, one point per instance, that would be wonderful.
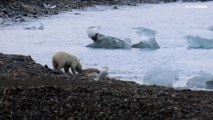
(66, 69)
(73, 70)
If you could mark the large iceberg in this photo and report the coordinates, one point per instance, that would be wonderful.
(109, 42)
(148, 38)
(161, 75)
(199, 81)
(104, 41)
(199, 42)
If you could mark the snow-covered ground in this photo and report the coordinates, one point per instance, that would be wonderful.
(172, 22)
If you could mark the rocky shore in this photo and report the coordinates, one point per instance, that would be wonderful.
(29, 90)
(24, 10)
(12, 11)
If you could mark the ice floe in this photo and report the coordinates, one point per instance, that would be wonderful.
(161, 75)
(199, 81)
(199, 42)
(110, 42)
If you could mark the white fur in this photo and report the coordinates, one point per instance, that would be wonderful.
(62, 59)
(92, 31)
(103, 74)
(92, 75)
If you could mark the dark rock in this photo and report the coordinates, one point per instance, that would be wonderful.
(77, 13)
(115, 7)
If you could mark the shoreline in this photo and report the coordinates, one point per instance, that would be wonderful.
(16, 11)
(29, 90)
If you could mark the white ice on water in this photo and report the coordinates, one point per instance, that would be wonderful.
(199, 81)
(40, 27)
(145, 33)
(110, 42)
(147, 37)
(199, 42)
(161, 75)
(104, 41)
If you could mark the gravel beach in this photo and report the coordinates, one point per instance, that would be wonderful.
(29, 90)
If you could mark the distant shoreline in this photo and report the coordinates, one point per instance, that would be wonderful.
(12, 11)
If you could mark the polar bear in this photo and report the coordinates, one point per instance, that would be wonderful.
(64, 60)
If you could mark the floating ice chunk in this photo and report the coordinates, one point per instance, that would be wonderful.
(40, 27)
(141, 31)
(104, 41)
(199, 42)
(200, 81)
(30, 28)
(147, 44)
(161, 75)
(148, 38)
(211, 28)
(109, 42)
